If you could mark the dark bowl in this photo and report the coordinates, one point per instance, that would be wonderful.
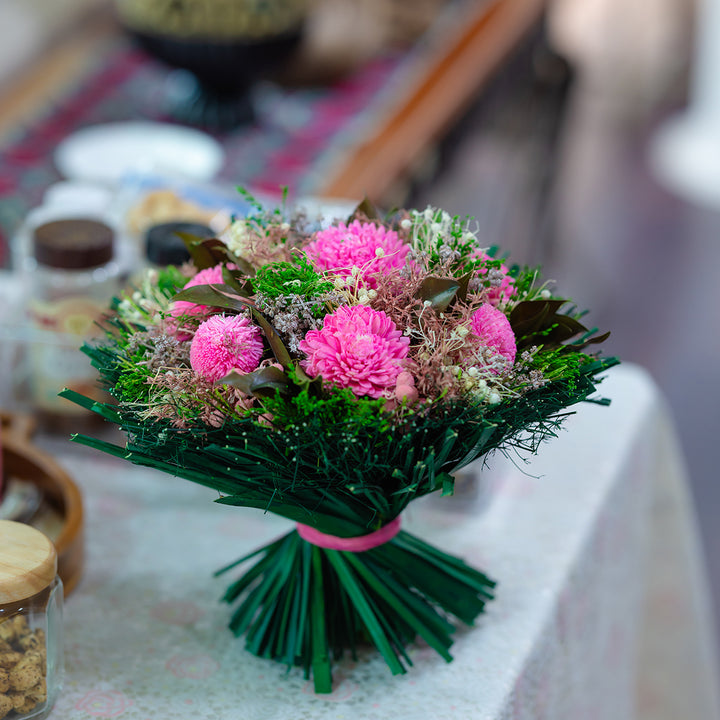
(223, 72)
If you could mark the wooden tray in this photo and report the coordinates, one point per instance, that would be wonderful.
(60, 515)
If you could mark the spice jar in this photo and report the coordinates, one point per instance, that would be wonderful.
(31, 597)
(72, 278)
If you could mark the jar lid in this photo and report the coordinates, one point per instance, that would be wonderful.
(73, 244)
(28, 561)
(163, 246)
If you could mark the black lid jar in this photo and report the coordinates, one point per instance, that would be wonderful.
(163, 245)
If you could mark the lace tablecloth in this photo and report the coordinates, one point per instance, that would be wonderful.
(601, 610)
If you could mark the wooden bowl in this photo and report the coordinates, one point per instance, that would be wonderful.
(61, 512)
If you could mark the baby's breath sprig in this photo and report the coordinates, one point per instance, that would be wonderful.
(439, 239)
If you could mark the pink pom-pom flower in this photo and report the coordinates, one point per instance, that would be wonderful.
(224, 343)
(493, 329)
(369, 247)
(357, 348)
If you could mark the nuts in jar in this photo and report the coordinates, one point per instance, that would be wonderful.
(30, 622)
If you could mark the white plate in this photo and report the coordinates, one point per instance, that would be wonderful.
(105, 153)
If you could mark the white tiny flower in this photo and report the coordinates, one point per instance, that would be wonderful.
(427, 303)
(379, 252)
(546, 294)
(494, 398)
(473, 371)
(462, 331)
(355, 271)
(405, 224)
(339, 283)
(482, 385)
(372, 294)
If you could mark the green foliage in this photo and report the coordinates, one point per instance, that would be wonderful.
(524, 281)
(170, 280)
(296, 278)
(131, 386)
(339, 407)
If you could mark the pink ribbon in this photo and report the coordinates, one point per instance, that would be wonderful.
(351, 544)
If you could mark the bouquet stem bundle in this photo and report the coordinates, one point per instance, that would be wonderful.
(306, 605)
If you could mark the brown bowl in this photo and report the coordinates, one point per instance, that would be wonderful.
(60, 514)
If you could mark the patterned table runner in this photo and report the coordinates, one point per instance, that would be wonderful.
(298, 133)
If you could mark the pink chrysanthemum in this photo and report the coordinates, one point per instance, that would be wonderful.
(493, 329)
(357, 348)
(209, 276)
(506, 288)
(224, 343)
(370, 247)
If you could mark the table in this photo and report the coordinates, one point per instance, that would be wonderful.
(601, 611)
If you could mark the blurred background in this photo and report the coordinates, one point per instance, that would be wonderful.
(580, 134)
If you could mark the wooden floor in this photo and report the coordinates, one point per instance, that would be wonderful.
(646, 262)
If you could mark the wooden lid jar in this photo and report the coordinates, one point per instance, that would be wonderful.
(28, 562)
(31, 598)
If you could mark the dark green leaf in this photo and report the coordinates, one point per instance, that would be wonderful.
(365, 209)
(205, 253)
(588, 340)
(538, 322)
(237, 284)
(440, 292)
(261, 383)
(464, 283)
(220, 296)
(281, 353)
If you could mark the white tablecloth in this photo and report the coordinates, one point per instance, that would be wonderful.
(601, 611)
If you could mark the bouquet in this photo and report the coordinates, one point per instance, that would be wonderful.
(333, 374)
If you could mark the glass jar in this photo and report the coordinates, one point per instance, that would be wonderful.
(31, 599)
(71, 277)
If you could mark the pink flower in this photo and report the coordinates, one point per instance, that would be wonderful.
(209, 276)
(222, 344)
(498, 293)
(357, 348)
(370, 247)
(405, 388)
(493, 329)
